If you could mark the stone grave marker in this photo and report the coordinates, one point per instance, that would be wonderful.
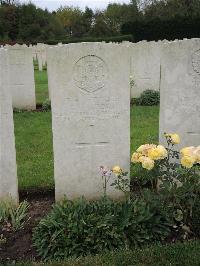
(91, 116)
(145, 67)
(180, 91)
(8, 168)
(21, 81)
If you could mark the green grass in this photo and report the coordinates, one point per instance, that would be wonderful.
(33, 136)
(183, 254)
(144, 125)
(41, 86)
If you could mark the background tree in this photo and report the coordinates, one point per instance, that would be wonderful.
(71, 19)
(8, 2)
(99, 27)
(143, 19)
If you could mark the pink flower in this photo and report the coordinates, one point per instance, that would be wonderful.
(105, 171)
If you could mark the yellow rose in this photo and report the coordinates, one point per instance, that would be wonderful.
(197, 154)
(175, 138)
(144, 149)
(135, 157)
(162, 151)
(154, 154)
(142, 158)
(188, 161)
(157, 153)
(117, 170)
(147, 163)
(187, 151)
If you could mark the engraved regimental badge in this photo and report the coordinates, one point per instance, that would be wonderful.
(90, 73)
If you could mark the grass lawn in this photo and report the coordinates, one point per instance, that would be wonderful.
(41, 86)
(33, 135)
(184, 254)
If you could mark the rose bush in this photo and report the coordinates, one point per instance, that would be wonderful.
(174, 176)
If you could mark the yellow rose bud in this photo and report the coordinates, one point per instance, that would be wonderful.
(147, 163)
(188, 161)
(117, 170)
(135, 157)
(175, 138)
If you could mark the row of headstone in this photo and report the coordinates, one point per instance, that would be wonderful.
(21, 73)
(145, 69)
(21, 77)
(90, 105)
(40, 54)
(90, 95)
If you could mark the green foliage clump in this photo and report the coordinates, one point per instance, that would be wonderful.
(46, 106)
(80, 228)
(148, 98)
(13, 215)
(196, 217)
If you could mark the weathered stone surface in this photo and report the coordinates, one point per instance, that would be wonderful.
(8, 169)
(145, 67)
(180, 91)
(21, 79)
(91, 116)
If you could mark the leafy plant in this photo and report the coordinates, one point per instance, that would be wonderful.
(13, 215)
(176, 183)
(122, 183)
(81, 227)
(149, 98)
(195, 217)
(2, 240)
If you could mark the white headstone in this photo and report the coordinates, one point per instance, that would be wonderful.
(34, 52)
(41, 51)
(50, 73)
(21, 80)
(39, 59)
(91, 116)
(180, 91)
(8, 168)
(145, 67)
(44, 56)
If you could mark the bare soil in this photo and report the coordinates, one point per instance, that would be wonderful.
(18, 245)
